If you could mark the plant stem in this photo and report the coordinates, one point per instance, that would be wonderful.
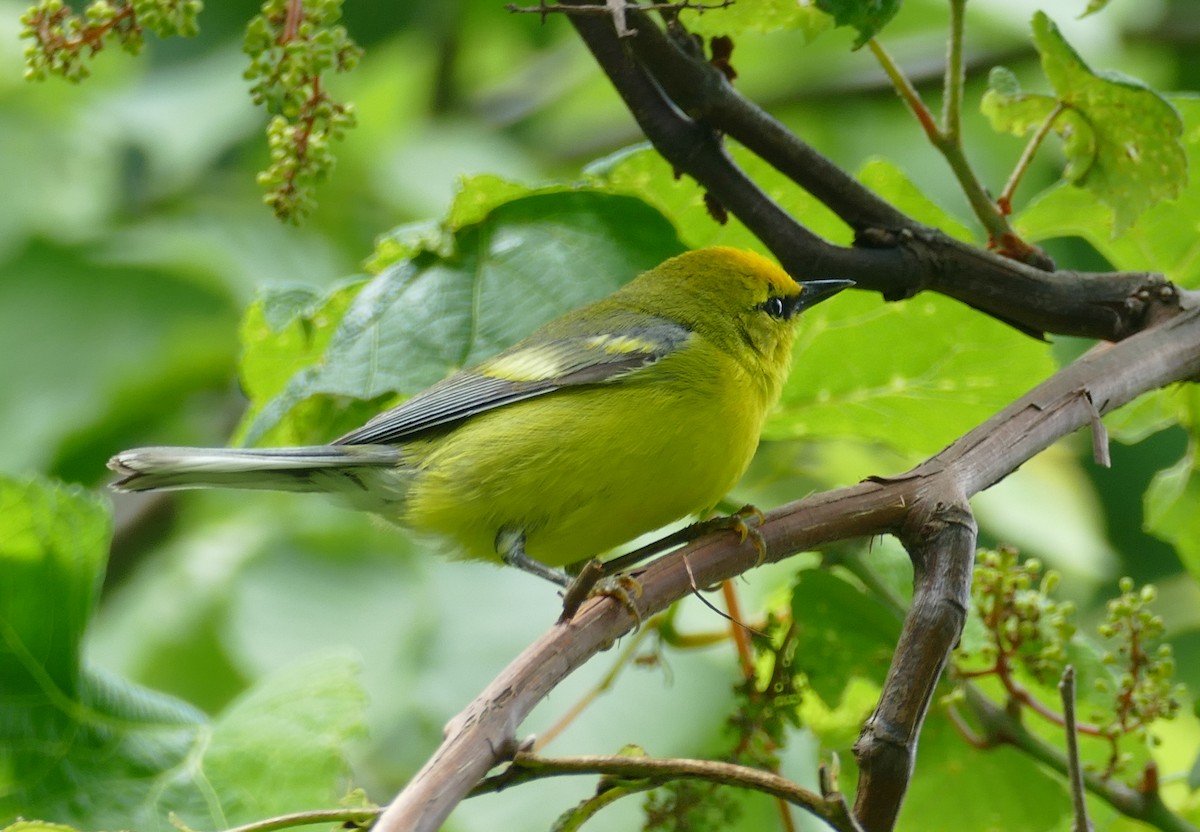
(1066, 687)
(948, 142)
(952, 103)
(1004, 201)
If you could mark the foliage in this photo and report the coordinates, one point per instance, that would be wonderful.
(87, 748)
(227, 667)
(1122, 139)
(64, 41)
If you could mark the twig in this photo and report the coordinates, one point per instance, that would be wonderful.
(355, 817)
(526, 767)
(947, 143)
(1004, 728)
(953, 84)
(738, 630)
(1066, 689)
(1004, 201)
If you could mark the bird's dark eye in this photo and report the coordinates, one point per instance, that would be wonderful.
(775, 307)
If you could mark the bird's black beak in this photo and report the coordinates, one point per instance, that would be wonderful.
(816, 291)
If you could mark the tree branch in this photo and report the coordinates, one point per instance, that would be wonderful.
(684, 104)
(939, 534)
(1066, 689)
(525, 767)
(485, 733)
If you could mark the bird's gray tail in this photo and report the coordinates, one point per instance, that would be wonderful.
(277, 469)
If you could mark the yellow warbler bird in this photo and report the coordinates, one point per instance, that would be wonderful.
(606, 423)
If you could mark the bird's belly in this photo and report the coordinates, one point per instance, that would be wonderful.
(581, 473)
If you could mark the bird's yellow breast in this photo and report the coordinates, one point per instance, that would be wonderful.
(584, 469)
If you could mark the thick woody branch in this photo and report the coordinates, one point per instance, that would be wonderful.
(683, 104)
(1109, 376)
(939, 535)
(693, 147)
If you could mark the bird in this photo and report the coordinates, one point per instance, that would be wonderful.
(609, 422)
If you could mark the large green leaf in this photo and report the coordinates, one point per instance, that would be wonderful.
(850, 378)
(1172, 506)
(1162, 239)
(527, 262)
(81, 746)
(996, 789)
(1122, 138)
(842, 634)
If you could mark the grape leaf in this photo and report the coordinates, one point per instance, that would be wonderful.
(759, 16)
(1122, 138)
(83, 747)
(842, 634)
(992, 789)
(420, 319)
(1171, 509)
(867, 16)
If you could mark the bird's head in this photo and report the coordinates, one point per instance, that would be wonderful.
(738, 299)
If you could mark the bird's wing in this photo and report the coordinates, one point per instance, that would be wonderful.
(523, 372)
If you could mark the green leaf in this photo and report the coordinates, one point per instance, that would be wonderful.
(759, 16)
(642, 172)
(1010, 110)
(1148, 414)
(1122, 138)
(1162, 239)
(867, 16)
(529, 261)
(83, 747)
(992, 789)
(915, 399)
(842, 634)
(1172, 507)
(474, 198)
(283, 332)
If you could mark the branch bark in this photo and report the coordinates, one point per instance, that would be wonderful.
(923, 506)
(526, 767)
(685, 105)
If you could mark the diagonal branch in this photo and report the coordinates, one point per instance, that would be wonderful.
(684, 105)
(485, 733)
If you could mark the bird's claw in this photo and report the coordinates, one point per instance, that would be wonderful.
(592, 582)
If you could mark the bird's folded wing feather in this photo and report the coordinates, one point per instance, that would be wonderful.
(523, 372)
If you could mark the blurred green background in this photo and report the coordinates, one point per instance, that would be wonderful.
(132, 237)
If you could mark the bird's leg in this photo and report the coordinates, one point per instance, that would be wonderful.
(744, 522)
(510, 544)
(596, 577)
